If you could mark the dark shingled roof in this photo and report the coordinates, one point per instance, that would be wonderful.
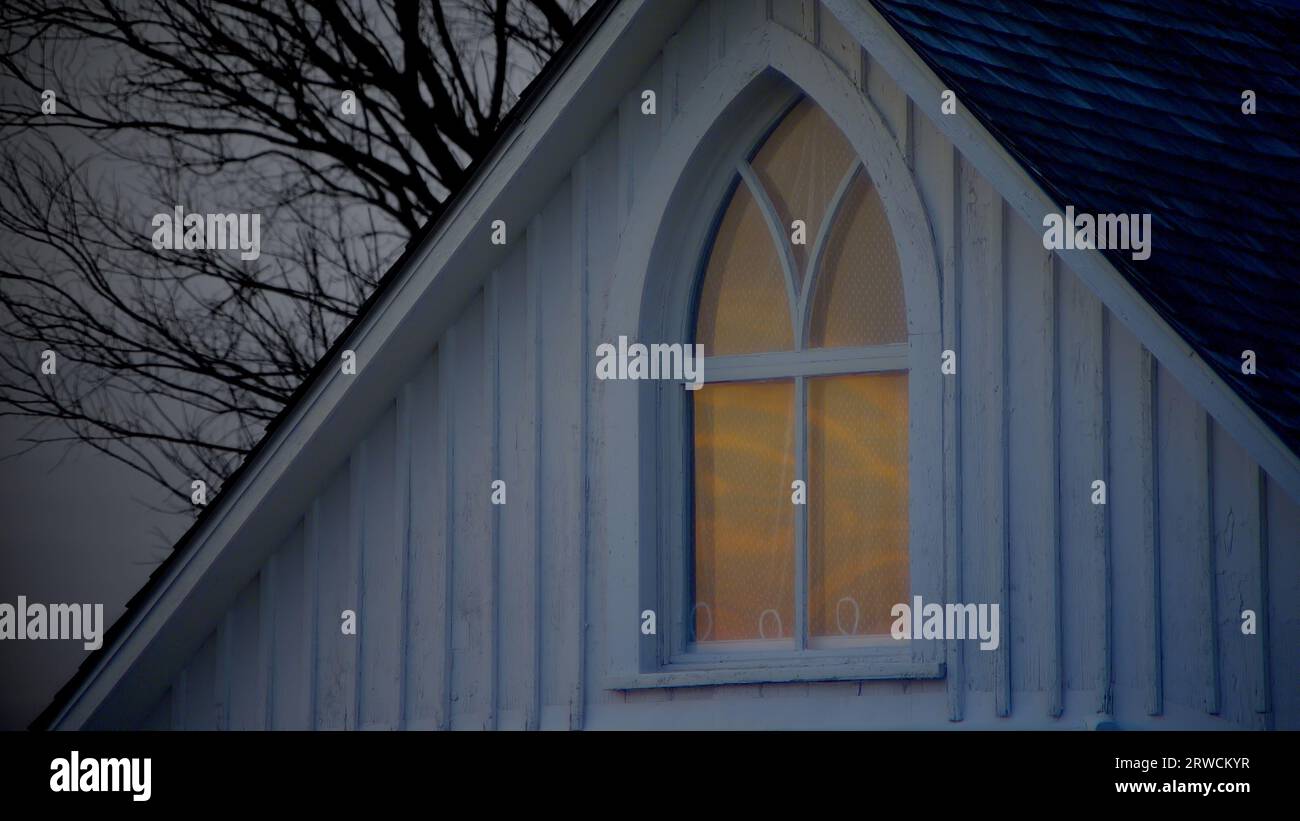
(1135, 106)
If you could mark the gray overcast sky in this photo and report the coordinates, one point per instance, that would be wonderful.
(74, 529)
(77, 526)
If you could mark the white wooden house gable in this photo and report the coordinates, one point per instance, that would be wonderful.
(477, 365)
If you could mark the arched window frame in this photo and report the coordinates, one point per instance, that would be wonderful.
(799, 363)
(657, 274)
(866, 359)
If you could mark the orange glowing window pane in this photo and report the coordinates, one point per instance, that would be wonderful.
(859, 299)
(743, 569)
(743, 303)
(744, 522)
(857, 503)
(800, 165)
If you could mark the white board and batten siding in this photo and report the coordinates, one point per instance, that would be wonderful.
(472, 615)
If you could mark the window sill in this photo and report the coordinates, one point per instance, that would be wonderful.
(680, 675)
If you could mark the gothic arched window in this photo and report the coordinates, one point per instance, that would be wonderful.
(801, 314)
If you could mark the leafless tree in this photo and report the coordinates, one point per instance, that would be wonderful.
(172, 361)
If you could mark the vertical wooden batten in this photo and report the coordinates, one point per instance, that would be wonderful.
(266, 642)
(402, 515)
(446, 386)
(1283, 627)
(718, 13)
(1239, 521)
(225, 665)
(382, 623)
(1212, 686)
(1105, 672)
(1185, 529)
(954, 680)
(492, 403)
(1263, 701)
(638, 136)
(533, 298)
(357, 484)
(1002, 579)
(426, 525)
(1028, 307)
(336, 590)
(800, 627)
(839, 45)
(311, 608)
(669, 95)
(1082, 443)
(909, 135)
(474, 684)
(580, 182)
(1055, 676)
(981, 368)
(1148, 420)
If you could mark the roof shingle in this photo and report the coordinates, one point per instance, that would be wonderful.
(1135, 107)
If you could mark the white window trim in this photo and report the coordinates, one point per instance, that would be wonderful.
(795, 365)
(652, 298)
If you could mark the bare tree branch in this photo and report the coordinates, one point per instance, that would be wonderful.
(174, 361)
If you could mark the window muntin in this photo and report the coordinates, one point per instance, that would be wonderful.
(859, 295)
(806, 379)
(800, 165)
(743, 305)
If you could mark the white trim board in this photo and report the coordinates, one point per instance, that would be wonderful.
(874, 33)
